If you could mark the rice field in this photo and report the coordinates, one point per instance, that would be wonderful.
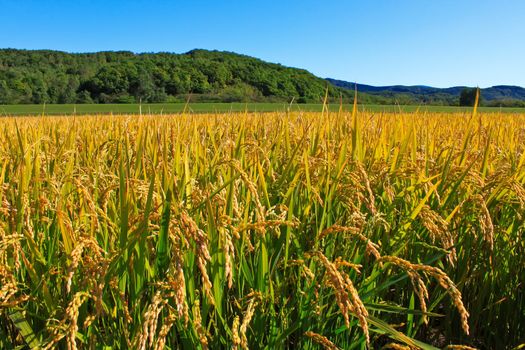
(222, 107)
(282, 230)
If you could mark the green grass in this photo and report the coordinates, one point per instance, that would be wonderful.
(161, 108)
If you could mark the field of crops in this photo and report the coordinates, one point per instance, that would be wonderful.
(203, 107)
(298, 230)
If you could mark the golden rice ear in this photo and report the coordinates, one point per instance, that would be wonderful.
(346, 295)
(396, 346)
(72, 312)
(164, 330)
(321, 340)
(247, 317)
(197, 323)
(236, 340)
(441, 277)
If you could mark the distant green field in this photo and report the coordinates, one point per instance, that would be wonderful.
(166, 108)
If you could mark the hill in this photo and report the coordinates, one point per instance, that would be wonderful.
(44, 76)
(493, 96)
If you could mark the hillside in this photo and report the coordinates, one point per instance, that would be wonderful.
(495, 95)
(46, 76)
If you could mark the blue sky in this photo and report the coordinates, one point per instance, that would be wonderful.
(379, 42)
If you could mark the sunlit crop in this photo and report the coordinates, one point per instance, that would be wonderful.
(283, 230)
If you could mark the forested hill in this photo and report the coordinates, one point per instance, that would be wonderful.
(45, 76)
(499, 95)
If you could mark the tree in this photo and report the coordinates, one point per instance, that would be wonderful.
(142, 87)
(468, 97)
(5, 93)
(84, 97)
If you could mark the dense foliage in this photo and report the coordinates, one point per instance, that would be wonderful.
(123, 77)
(45, 76)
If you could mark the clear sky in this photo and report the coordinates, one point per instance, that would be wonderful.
(379, 42)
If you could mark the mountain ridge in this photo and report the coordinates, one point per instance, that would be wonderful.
(490, 94)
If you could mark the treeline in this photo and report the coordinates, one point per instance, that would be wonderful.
(505, 103)
(494, 96)
(45, 76)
